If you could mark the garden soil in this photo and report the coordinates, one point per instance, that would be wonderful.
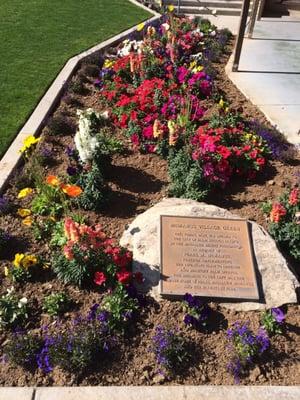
(138, 181)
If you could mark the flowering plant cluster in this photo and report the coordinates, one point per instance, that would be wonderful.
(170, 350)
(196, 312)
(90, 257)
(284, 217)
(273, 320)
(72, 349)
(13, 311)
(56, 303)
(155, 87)
(245, 347)
(22, 267)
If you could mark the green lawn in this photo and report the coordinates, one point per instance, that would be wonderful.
(36, 39)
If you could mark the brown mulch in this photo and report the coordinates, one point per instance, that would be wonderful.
(138, 181)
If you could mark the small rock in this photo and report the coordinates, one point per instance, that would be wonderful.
(203, 378)
(271, 182)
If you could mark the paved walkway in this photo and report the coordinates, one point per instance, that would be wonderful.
(269, 73)
(154, 393)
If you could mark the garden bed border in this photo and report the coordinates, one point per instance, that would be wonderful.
(153, 393)
(38, 118)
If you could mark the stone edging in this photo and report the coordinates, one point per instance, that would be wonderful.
(153, 393)
(37, 119)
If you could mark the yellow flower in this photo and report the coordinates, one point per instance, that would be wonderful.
(28, 142)
(6, 271)
(140, 27)
(27, 221)
(18, 260)
(24, 212)
(29, 261)
(24, 193)
(171, 8)
(221, 102)
(108, 63)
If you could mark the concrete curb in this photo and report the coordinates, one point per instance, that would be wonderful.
(37, 119)
(153, 393)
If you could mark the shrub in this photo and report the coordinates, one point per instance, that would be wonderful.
(13, 311)
(76, 86)
(284, 217)
(56, 304)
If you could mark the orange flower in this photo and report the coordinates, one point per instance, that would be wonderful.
(71, 190)
(52, 180)
(277, 212)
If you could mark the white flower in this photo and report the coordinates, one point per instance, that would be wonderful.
(11, 290)
(213, 33)
(165, 26)
(22, 302)
(104, 114)
(86, 143)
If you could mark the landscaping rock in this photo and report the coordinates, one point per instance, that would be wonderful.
(142, 238)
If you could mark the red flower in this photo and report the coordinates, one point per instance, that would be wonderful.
(294, 197)
(99, 278)
(124, 277)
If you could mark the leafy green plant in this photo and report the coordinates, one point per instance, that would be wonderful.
(273, 320)
(42, 229)
(120, 307)
(56, 303)
(95, 190)
(181, 165)
(49, 200)
(13, 311)
(23, 348)
(284, 217)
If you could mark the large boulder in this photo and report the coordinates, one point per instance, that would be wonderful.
(278, 283)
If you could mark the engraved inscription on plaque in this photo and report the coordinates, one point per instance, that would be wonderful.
(208, 257)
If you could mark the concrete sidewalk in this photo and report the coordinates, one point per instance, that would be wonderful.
(269, 73)
(153, 393)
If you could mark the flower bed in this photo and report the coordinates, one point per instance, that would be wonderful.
(128, 129)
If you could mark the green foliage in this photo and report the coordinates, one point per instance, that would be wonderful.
(78, 348)
(270, 324)
(20, 275)
(225, 120)
(285, 228)
(13, 311)
(266, 207)
(120, 307)
(22, 349)
(48, 201)
(80, 269)
(42, 229)
(186, 177)
(56, 303)
(58, 238)
(94, 188)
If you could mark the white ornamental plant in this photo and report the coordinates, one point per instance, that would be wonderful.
(85, 140)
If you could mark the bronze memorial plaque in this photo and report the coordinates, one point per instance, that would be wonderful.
(208, 257)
